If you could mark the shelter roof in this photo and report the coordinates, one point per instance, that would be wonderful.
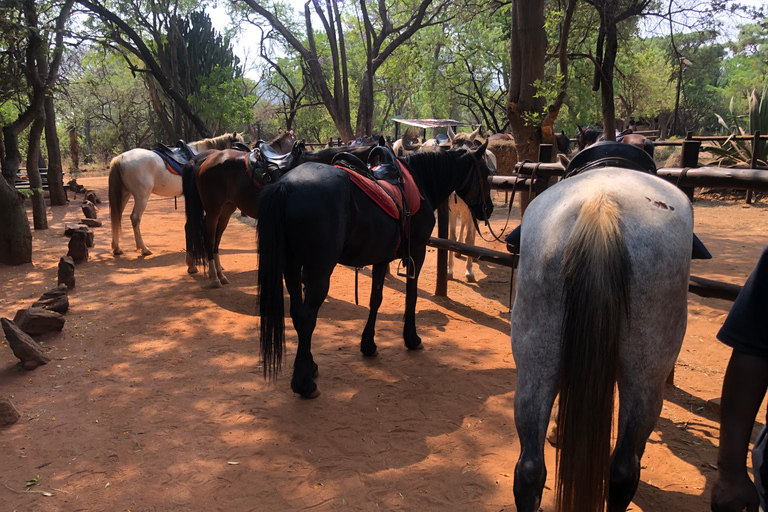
(432, 123)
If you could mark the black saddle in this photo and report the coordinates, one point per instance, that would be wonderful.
(241, 146)
(610, 154)
(275, 163)
(180, 154)
(350, 161)
(384, 165)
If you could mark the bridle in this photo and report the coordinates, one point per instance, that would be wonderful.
(478, 183)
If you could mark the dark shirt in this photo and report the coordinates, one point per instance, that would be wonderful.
(746, 327)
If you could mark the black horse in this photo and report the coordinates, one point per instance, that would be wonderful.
(315, 217)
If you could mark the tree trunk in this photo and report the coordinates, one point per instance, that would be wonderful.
(12, 160)
(172, 134)
(88, 158)
(55, 179)
(39, 217)
(74, 148)
(15, 235)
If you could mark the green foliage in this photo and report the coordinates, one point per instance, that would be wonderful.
(739, 152)
(221, 101)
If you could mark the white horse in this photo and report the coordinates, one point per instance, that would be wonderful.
(601, 299)
(140, 173)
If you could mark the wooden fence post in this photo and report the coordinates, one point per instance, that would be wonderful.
(690, 158)
(441, 284)
(753, 161)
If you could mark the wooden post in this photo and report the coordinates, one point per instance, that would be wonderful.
(753, 162)
(690, 158)
(441, 285)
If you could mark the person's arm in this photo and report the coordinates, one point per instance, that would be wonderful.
(744, 387)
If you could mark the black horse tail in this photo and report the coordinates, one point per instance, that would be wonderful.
(272, 244)
(596, 268)
(193, 206)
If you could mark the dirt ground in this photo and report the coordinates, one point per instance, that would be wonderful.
(154, 397)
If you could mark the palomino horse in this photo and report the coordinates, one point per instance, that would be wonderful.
(218, 183)
(459, 216)
(601, 300)
(315, 217)
(141, 173)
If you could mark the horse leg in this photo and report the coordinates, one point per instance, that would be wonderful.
(211, 224)
(116, 250)
(412, 340)
(304, 316)
(367, 343)
(224, 216)
(466, 223)
(640, 403)
(139, 205)
(534, 397)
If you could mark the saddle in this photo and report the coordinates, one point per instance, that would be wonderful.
(385, 180)
(276, 164)
(611, 154)
(264, 164)
(180, 154)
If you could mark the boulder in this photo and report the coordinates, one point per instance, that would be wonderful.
(54, 300)
(89, 210)
(67, 271)
(25, 348)
(8, 413)
(34, 321)
(69, 230)
(78, 247)
(90, 195)
(91, 223)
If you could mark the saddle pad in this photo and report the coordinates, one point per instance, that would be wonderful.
(374, 190)
(173, 166)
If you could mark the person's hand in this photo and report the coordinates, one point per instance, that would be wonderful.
(734, 492)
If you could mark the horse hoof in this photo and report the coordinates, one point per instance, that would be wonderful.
(471, 279)
(420, 346)
(214, 284)
(117, 252)
(314, 394)
(192, 270)
(224, 280)
(145, 252)
(371, 354)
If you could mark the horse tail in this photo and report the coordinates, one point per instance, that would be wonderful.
(596, 268)
(194, 228)
(116, 195)
(272, 243)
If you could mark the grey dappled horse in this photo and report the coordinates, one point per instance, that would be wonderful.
(601, 299)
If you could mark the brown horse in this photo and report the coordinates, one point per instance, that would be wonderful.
(284, 142)
(219, 182)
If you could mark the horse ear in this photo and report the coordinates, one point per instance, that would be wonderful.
(382, 142)
(474, 134)
(451, 135)
(481, 150)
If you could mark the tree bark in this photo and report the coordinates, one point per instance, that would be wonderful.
(39, 217)
(15, 235)
(55, 179)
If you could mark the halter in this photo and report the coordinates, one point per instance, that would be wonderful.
(475, 171)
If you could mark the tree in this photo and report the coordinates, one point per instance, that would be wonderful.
(382, 32)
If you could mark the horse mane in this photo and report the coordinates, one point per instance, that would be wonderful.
(221, 142)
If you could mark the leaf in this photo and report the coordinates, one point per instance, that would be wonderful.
(233, 463)
(106, 485)
(46, 493)
(33, 481)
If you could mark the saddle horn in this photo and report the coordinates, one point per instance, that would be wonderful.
(384, 155)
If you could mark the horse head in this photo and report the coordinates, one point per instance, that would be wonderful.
(476, 191)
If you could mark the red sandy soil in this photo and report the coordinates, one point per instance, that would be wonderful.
(154, 397)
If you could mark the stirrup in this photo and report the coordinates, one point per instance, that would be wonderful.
(408, 270)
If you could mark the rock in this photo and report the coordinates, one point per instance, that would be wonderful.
(91, 196)
(78, 247)
(67, 271)
(35, 321)
(54, 300)
(89, 210)
(8, 413)
(91, 222)
(68, 230)
(25, 348)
